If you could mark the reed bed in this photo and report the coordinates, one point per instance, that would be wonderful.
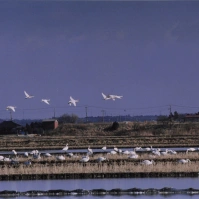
(101, 168)
(114, 163)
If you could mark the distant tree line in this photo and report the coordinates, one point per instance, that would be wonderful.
(66, 118)
(171, 118)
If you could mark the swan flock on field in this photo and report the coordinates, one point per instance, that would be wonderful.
(147, 159)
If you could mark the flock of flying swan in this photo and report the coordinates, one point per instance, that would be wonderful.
(72, 101)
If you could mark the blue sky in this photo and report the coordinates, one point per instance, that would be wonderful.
(146, 51)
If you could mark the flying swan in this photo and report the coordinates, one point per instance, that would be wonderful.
(72, 101)
(11, 108)
(46, 101)
(113, 97)
(27, 96)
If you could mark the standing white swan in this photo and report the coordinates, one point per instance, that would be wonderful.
(47, 155)
(184, 161)
(14, 152)
(1, 158)
(133, 156)
(65, 148)
(60, 157)
(149, 148)
(190, 149)
(101, 159)
(27, 96)
(26, 154)
(164, 152)
(85, 159)
(172, 152)
(147, 162)
(72, 101)
(115, 148)
(104, 148)
(156, 152)
(90, 151)
(112, 153)
(46, 101)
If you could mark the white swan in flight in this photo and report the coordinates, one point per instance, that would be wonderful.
(27, 96)
(46, 101)
(113, 97)
(11, 108)
(72, 101)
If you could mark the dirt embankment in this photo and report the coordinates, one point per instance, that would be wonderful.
(129, 134)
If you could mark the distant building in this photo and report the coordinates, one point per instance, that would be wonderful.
(9, 127)
(191, 118)
(49, 124)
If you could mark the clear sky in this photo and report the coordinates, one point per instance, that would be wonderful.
(147, 51)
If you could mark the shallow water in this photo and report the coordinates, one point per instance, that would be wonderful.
(77, 151)
(108, 184)
(88, 184)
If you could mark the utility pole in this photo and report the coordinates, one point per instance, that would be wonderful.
(103, 111)
(125, 114)
(54, 113)
(170, 115)
(170, 110)
(86, 113)
(10, 115)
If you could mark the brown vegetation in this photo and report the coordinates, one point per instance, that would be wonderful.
(130, 134)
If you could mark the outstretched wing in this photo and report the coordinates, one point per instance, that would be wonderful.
(26, 94)
(119, 97)
(72, 101)
(71, 98)
(104, 96)
(113, 97)
(47, 101)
